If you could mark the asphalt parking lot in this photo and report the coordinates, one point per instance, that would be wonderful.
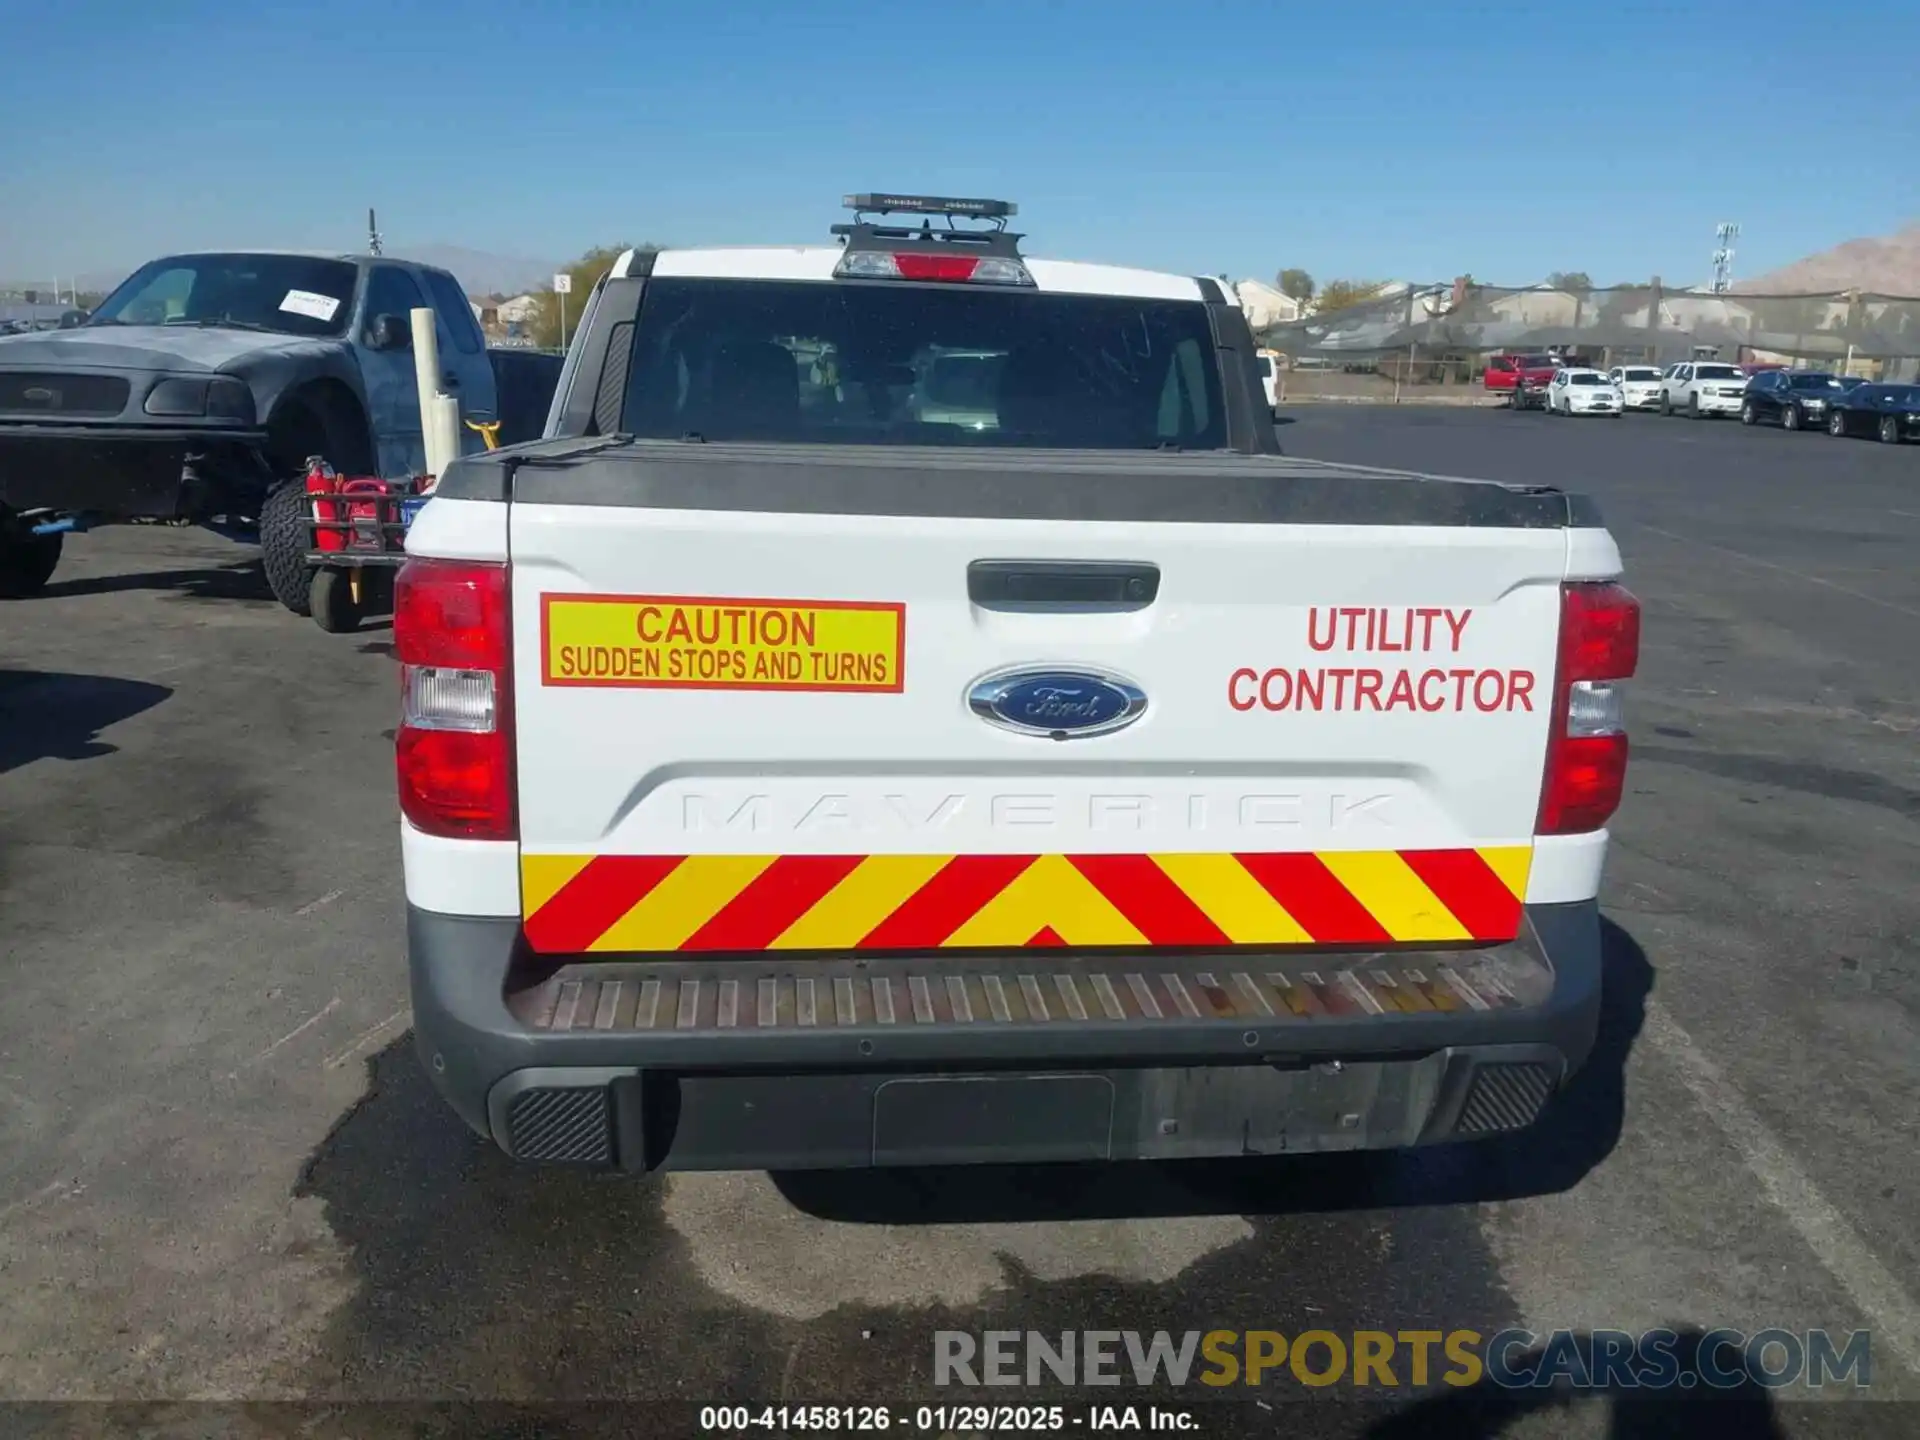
(226, 1179)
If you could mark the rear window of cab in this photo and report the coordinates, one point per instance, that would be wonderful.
(883, 363)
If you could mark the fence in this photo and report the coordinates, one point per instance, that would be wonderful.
(1433, 341)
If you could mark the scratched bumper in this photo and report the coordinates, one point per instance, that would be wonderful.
(750, 1063)
(120, 472)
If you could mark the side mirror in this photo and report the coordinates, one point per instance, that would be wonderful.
(390, 332)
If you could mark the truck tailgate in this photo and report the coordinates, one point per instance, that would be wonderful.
(748, 726)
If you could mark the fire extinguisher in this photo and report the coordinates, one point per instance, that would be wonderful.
(321, 482)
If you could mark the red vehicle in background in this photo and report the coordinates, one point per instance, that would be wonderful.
(1523, 379)
(1508, 372)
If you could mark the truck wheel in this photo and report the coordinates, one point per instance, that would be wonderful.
(330, 599)
(1747, 413)
(1693, 407)
(283, 546)
(1836, 424)
(1666, 403)
(27, 562)
(1790, 418)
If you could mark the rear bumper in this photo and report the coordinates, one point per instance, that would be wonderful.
(746, 1064)
(123, 472)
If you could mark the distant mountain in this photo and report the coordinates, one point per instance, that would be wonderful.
(1888, 264)
(482, 273)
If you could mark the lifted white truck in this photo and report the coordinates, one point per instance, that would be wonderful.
(794, 779)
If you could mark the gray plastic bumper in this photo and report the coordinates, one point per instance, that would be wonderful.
(750, 1063)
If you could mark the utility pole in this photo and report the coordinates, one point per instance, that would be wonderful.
(373, 234)
(1724, 235)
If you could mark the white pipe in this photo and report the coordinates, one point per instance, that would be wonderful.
(426, 374)
(444, 433)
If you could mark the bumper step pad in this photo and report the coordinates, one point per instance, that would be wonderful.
(653, 997)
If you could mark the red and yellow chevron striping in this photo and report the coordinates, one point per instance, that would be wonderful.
(745, 903)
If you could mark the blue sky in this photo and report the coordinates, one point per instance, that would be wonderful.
(1356, 140)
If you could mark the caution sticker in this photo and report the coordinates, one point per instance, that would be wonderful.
(675, 642)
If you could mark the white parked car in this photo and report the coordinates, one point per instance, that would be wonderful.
(1270, 379)
(1639, 385)
(1583, 392)
(1703, 387)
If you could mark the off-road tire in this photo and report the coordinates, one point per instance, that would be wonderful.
(330, 600)
(283, 546)
(27, 562)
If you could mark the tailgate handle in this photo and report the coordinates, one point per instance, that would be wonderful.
(1122, 584)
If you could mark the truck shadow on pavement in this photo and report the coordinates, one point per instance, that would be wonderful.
(484, 1279)
(236, 580)
(1578, 1131)
(49, 715)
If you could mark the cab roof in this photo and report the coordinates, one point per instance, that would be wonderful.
(817, 262)
(360, 258)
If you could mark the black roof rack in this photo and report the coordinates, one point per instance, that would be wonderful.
(953, 207)
(868, 232)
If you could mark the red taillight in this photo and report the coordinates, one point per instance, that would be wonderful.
(454, 748)
(1587, 744)
(451, 612)
(955, 269)
(936, 267)
(1599, 632)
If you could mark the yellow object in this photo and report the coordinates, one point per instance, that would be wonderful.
(487, 430)
(710, 643)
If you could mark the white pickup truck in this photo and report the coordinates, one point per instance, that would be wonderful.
(1702, 387)
(791, 779)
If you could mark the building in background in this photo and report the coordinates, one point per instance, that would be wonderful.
(506, 322)
(1265, 306)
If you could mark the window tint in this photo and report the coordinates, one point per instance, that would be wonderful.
(1815, 382)
(456, 315)
(1588, 378)
(1502, 364)
(392, 292)
(291, 294)
(882, 364)
(1183, 399)
(1716, 372)
(1266, 365)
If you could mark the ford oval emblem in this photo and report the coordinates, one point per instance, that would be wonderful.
(1061, 704)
